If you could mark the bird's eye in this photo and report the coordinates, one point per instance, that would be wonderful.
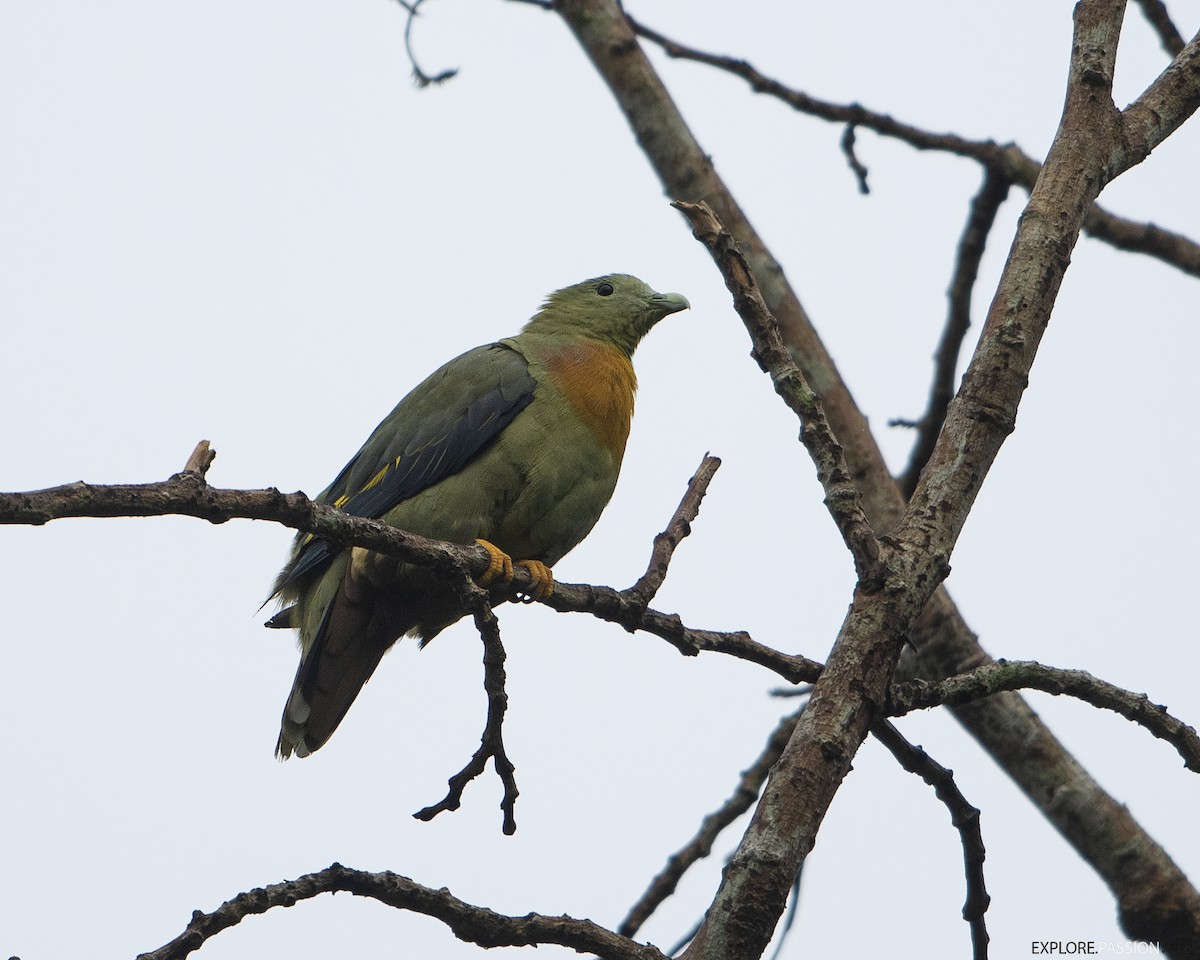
(604, 289)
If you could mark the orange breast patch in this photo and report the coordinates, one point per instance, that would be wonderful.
(599, 383)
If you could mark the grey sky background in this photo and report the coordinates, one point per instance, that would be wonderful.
(242, 222)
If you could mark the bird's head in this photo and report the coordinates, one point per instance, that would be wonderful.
(616, 308)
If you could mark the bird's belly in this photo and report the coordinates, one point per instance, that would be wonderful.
(548, 519)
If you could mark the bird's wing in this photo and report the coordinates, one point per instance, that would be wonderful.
(432, 433)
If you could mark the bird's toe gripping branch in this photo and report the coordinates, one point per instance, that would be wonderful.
(543, 580)
(500, 570)
(500, 565)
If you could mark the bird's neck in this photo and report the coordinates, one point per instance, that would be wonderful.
(597, 380)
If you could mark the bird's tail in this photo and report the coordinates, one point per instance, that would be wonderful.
(353, 636)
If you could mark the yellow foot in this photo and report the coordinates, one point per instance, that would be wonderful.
(500, 570)
(500, 565)
(543, 580)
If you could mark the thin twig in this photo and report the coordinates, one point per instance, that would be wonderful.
(984, 207)
(964, 817)
(467, 922)
(1003, 675)
(616, 606)
(491, 745)
(700, 846)
(860, 171)
(420, 77)
(679, 527)
(842, 496)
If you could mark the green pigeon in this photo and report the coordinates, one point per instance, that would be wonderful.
(516, 444)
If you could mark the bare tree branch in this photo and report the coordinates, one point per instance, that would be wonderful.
(984, 207)
(1007, 160)
(700, 846)
(965, 819)
(187, 494)
(842, 496)
(992, 678)
(467, 922)
(860, 171)
(1094, 144)
(616, 606)
(420, 77)
(783, 829)
(201, 459)
(679, 527)
(1161, 110)
(1153, 892)
(491, 744)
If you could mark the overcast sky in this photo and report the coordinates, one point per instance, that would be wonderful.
(242, 222)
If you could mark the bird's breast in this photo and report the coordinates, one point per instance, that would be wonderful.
(598, 382)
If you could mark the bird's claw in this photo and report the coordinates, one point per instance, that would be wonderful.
(543, 580)
(500, 565)
(500, 570)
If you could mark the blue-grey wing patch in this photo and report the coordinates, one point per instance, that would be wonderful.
(435, 431)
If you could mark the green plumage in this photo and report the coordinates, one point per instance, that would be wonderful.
(518, 443)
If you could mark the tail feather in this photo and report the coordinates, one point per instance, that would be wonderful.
(354, 634)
